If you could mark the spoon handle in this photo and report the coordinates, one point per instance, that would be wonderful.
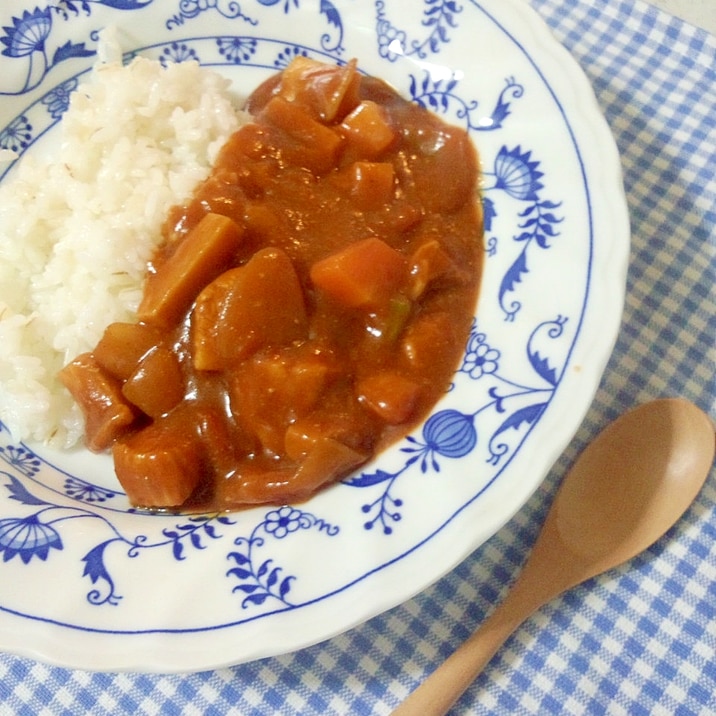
(448, 682)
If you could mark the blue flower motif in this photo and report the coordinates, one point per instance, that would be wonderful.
(27, 34)
(86, 492)
(479, 359)
(177, 52)
(20, 458)
(286, 56)
(17, 135)
(28, 538)
(391, 41)
(58, 100)
(237, 49)
(283, 521)
(517, 175)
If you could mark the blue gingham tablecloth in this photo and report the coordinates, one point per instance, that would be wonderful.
(639, 640)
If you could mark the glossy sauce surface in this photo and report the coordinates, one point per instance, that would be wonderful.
(307, 307)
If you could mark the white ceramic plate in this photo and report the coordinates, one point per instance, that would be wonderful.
(87, 582)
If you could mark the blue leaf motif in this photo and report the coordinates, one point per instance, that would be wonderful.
(273, 577)
(285, 587)
(239, 573)
(543, 368)
(367, 479)
(528, 415)
(246, 588)
(98, 573)
(489, 213)
(239, 557)
(71, 49)
(263, 569)
(94, 563)
(333, 17)
(257, 599)
(18, 492)
(125, 4)
(514, 275)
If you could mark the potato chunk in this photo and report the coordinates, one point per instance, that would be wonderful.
(157, 385)
(328, 92)
(247, 308)
(123, 345)
(201, 256)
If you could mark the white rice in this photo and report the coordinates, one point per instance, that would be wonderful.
(76, 229)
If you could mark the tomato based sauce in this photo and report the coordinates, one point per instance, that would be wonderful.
(306, 308)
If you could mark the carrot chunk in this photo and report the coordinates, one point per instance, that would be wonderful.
(367, 130)
(156, 385)
(363, 275)
(201, 256)
(122, 346)
(160, 465)
(247, 308)
(106, 412)
(390, 395)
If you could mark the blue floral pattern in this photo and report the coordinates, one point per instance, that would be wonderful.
(27, 537)
(439, 18)
(443, 96)
(17, 135)
(178, 52)
(260, 579)
(34, 535)
(27, 39)
(453, 434)
(281, 558)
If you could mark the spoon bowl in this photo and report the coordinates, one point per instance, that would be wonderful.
(628, 487)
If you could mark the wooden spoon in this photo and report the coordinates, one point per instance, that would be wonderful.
(629, 486)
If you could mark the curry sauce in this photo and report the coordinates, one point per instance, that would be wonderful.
(306, 308)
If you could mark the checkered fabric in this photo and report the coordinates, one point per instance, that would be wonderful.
(640, 640)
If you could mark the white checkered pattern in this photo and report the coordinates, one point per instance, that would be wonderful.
(640, 641)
